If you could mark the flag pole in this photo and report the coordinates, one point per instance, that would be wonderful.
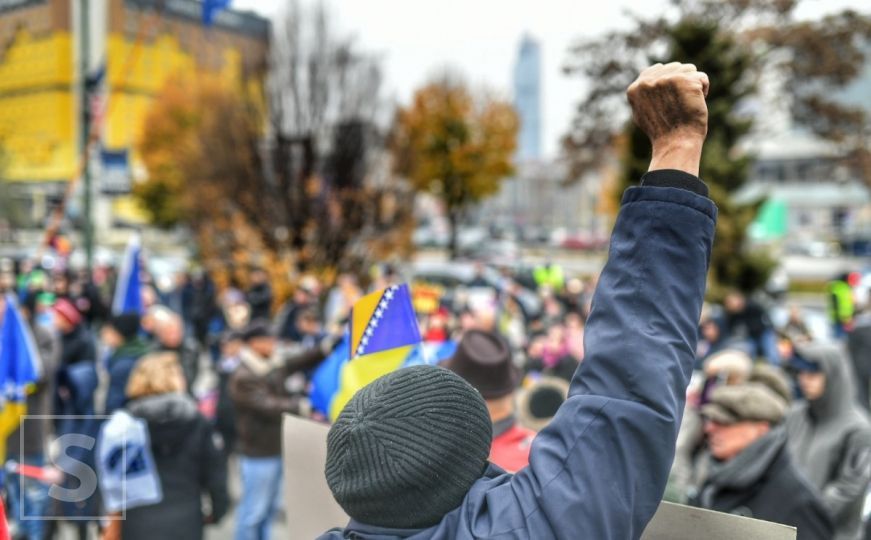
(88, 225)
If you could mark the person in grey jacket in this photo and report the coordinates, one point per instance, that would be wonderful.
(830, 436)
(407, 456)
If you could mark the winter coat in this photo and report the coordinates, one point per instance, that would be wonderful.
(260, 398)
(830, 439)
(77, 346)
(39, 402)
(259, 297)
(749, 323)
(119, 365)
(859, 345)
(598, 470)
(189, 462)
(76, 384)
(762, 482)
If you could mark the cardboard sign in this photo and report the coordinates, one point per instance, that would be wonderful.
(679, 522)
(311, 509)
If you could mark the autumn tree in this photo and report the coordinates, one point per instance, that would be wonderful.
(299, 166)
(455, 145)
(735, 42)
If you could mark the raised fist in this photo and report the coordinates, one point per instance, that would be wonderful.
(668, 103)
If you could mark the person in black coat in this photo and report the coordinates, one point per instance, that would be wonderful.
(751, 472)
(259, 296)
(187, 453)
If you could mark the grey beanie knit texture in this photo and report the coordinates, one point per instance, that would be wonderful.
(406, 448)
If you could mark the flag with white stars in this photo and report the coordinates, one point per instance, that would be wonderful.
(383, 336)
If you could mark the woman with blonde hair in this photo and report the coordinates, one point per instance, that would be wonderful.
(187, 454)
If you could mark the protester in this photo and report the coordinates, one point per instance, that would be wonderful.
(841, 306)
(121, 335)
(484, 360)
(341, 299)
(76, 384)
(199, 306)
(406, 455)
(745, 321)
(170, 337)
(859, 346)
(830, 436)
(187, 453)
(727, 367)
(225, 411)
(28, 497)
(751, 473)
(259, 295)
(550, 275)
(288, 325)
(260, 399)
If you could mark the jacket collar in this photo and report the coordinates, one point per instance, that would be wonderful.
(258, 365)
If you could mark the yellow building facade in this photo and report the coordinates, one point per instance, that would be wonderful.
(137, 44)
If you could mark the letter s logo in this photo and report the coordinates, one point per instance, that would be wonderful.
(73, 467)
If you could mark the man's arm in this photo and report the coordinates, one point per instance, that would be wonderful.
(600, 468)
(253, 395)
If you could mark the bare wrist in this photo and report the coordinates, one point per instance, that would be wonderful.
(683, 154)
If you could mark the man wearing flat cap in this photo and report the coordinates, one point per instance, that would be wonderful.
(484, 360)
(408, 455)
(751, 472)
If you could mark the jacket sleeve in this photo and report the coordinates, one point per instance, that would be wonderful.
(252, 395)
(600, 468)
(300, 361)
(852, 477)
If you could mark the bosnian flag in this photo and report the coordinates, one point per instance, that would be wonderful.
(128, 290)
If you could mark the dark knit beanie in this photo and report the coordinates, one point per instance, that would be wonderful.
(126, 324)
(408, 447)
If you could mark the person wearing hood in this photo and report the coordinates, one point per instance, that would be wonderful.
(187, 454)
(408, 455)
(751, 472)
(830, 436)
(121, 335)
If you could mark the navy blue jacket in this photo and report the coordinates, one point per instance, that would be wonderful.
(120, 365)
(599, 469)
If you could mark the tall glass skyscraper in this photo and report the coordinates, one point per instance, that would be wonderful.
(527, 98)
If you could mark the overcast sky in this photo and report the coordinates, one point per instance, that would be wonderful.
(480, 37)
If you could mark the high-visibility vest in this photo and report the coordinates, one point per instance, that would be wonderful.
(841, 306)
(550, 276)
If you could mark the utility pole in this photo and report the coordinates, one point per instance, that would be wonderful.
(84, 47)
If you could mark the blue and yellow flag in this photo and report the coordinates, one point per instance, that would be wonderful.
(383, 334)
(19, 370)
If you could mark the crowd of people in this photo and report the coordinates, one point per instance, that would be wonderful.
(232, 362)
(775, 424)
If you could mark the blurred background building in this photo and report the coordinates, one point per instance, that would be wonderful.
(135, 46)
(527, 98)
